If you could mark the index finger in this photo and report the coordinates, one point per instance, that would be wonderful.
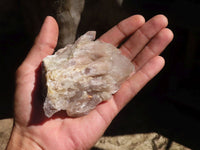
(122, 30)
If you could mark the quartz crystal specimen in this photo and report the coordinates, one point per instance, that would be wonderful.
(80, 76)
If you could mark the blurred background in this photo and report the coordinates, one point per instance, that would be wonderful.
(168, 105)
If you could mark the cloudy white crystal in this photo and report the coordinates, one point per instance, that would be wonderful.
(80, 76)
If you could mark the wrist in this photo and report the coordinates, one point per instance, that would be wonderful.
(20, 141)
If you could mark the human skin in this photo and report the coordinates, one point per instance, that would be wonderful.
(33, 130)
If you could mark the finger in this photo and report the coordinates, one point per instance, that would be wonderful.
(143, 35)
(155, 47)
(123, 30)
(44, 43)
(129, 89)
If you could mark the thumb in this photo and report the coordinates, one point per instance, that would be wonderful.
(45, 42)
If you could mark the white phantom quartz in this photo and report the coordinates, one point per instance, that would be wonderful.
(81, 75)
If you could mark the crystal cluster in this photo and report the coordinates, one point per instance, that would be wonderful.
(81, 75)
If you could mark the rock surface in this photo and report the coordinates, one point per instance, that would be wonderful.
(68, 17)
(5, 130)
(80, 76)
(145, 141)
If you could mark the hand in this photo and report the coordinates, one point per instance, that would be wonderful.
(32, 130)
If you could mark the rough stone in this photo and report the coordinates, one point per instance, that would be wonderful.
(144, 141)
(82, 75)
(5, 131)
(68, 17)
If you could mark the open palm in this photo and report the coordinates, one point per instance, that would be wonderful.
(145, 42)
